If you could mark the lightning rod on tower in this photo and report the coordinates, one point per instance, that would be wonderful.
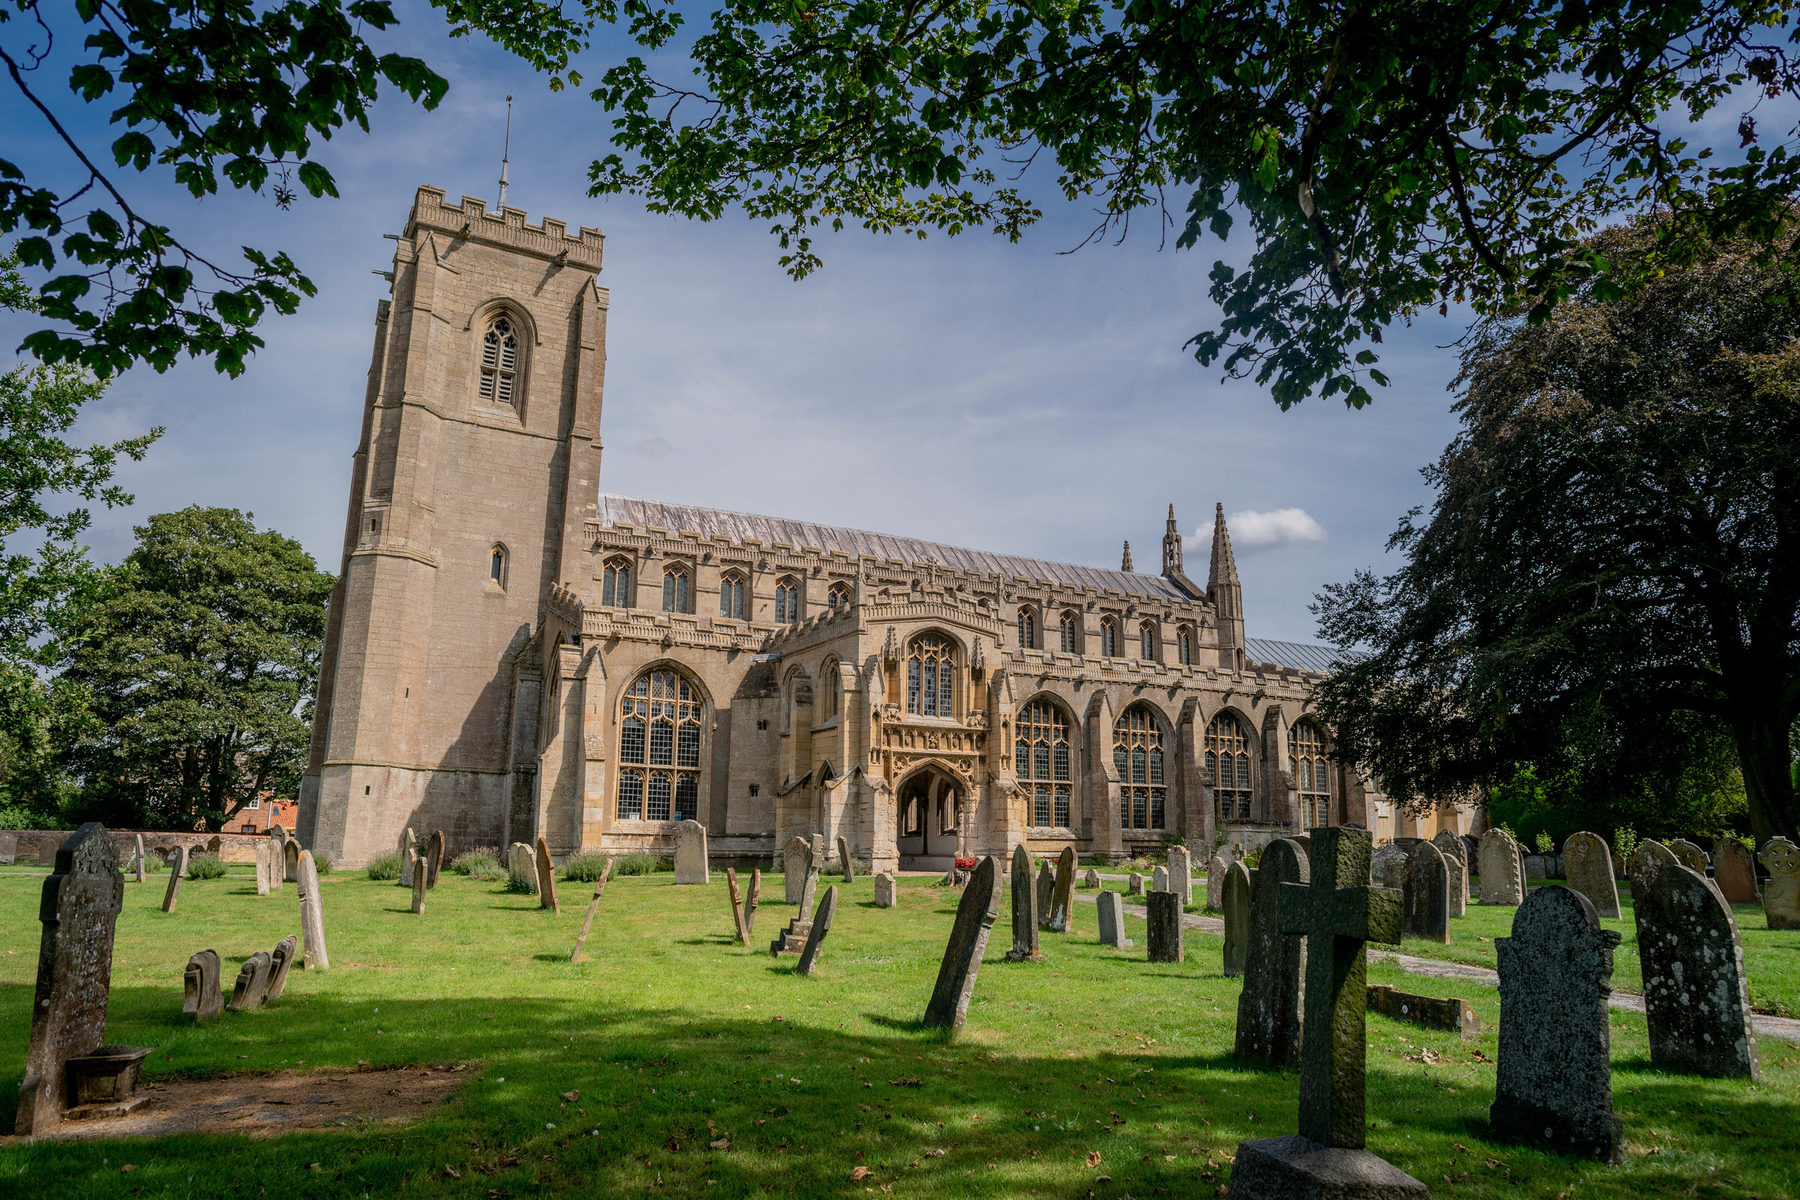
(506, 151)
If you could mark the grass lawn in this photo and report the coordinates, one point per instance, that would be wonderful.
(1095, 1073)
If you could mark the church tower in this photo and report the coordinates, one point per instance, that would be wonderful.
(1227, 595)
(477, 469)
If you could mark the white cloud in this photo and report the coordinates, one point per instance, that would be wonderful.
(1268, 530)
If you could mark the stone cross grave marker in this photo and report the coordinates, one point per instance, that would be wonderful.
(1690, 856)
(138, 857)
(975, 912)
(1734, 870)
(290, 850)
(418, 893)
(201, 998)
(1650, 859)
(815, 937)
(1269, 1017)
(546, 878)
(587, 922)
(1162, 933)
(885, 892)
(1024, 909)
(845, 862)
(691, 865)
(1215, 880)
(1588, 869)
(252, 987)
(434, 858)
(1046, 892)
(1456, 862)
(312, 916)
(737, 907)
(1781, 895)
(1112, 920)
(1553, 1084)
(279, 961)
(1061, 918)
(408, 850)
(1181, 873)
(1695, 1000)
(1425, 903)
(1237, 917)
(1502, 878)
(177, 869)
(796, 860)
(1339, 913)
(79, 907)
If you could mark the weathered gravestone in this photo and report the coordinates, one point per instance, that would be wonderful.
(177, 869)
(279, 961)
(1162, 927)
(1269, 1008)
(1237, 918)
(1216, 870)
(792, 940)
(137, 858)
(975, 912)
(1134, 884)
(1046, 893)
(1695, 1001)
(1387, 866)
(252, 987)
(1425, 903)
(278, 863)
(1690, 856)
(1781, 895)
(1181, 873)
(750, 900)
(409, 857)
(434, 858)
(845, 862)
(1502, 872)
(1024, 909)
(690, 853)
(815, 937)
(201, 998)
(1159, 879)
(1734, 870)
(1339, 913)
(1445, 1013)
(796, 861)
(79, 908)
(418, 893)
(1649, 860)
(737, 908)
(587, 922)
(521, 867)
(1112, 920)
(312, 915)
(1090, 878)
(1061, 918)
(262, 868)
(546, 878)
(886, 894)
(1588, 869)
(1554, 1082)
(1456, 862)
(290, 850)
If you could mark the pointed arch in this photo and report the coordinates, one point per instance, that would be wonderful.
(788, 595)
(1228, 751)
(615, 586)
(1069, 629)
(1140, 756)
(933, 659)
(1044, 734)
(1312, 772)
(662, 725)
(498, 562)
(733, 592)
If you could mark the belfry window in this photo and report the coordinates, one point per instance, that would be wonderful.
(615, 587)
(838, 596)
(1041, 761)
(1138, 758)
(659, 748)
(1312, 774)
(1109, 638)
(1071, 633)
(675, 590)
(930, 676)
(1228, 767)
(1027, 629)
(787, 602)
(1147, 641)
(500, 361)
(731, 596)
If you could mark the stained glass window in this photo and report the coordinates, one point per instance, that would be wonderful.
(1041, 761)
(1227, 749)
(930, 676)
(1138, 757)
(661, 718)
(1312, 773)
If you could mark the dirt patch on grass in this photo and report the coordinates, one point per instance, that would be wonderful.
(281, 1102)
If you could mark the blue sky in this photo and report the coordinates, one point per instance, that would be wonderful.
(968, 390)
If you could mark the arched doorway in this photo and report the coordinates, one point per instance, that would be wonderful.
(929, 807)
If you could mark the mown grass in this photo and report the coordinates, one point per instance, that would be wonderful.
(1093, 1073)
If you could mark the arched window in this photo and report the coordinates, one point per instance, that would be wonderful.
(1071, 633)
(1138, 757)
(1312, 774)
(731, 595)
(661, 717)
(838, 596)
(787, 602)
(829, 685)
(930, 676)
(1184, 645)
(1147, 641)
(1041, 760)
(499, 361)
(497, 565)
(675, 589)
(615, 588)
(1109, 638)
(1228, 766)
(1027, 628)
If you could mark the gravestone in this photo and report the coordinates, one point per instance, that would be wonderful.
(1690, 856)
(1456, 862)
(409, 857)
(1181, 874)
(138, 857)
(1046, 893)
(885, 892)
(252, 987)
(279, 961)
(312, 915)
(418, 893)
(1215, 880)
(1554, 1080)
(1502, 873)
(792, 940)
(1269, 1019)
(262, 869)
(737, 908)
(1734, 870)
(1339, 913)
(1134, 884)
(1588, 869)
(1695, 1001)
(691, 865)
(79, 907)
(1388, 865)
(1112, 920)
(521, 866)
(1649, 860)
(587, 922)
(1159, 879)
(975, 912)
(177, 869)
(796, 861)
(1425, 901)
(434, 858)
(1162, 933)
(278, 864)
(815, 937)
(1090, 878)
(214, 844)
(1024, 909)
(1062, 897)
(751, 899)
(1445, 1013)
(201, 998)
(290, 867)
(845, 862)
(1237, 917)
(546, 878)
(1781, 895)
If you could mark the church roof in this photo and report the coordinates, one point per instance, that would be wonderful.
(1299, 655)
(718, 522)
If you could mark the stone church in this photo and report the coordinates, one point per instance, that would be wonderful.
(512, 653)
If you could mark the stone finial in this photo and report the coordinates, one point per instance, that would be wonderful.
(1125, 561)
(1223, 569)
(1171, 545)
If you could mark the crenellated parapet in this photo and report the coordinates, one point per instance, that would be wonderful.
(471, 221)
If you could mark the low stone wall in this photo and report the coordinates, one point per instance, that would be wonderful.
(39, 845)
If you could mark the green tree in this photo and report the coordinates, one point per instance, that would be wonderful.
(202, 668)
(1390, 156)
(1610, 574)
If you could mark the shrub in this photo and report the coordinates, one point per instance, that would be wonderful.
(584, 868)
(469, 862)
(205, 866)
(1625, 840)
(637, 863)
(385, 867)
(1544, 844)
(321, 864)
(488, 872)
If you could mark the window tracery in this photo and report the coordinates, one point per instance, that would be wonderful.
(659, 748)
(1184, 645)
(731, 596)
(787, 602)
(1041, 761)
(838, 596)
(1228, 766)
(1109, 638)
(1071, 633)
(1138, 758)
(1312, 773)
(500, 361)
(1147, 641)
(615, 587)
(675, 589)
(1027, 628)
(930, 676)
